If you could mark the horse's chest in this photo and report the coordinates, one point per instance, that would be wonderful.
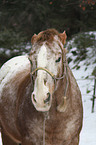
(50, 131)
(54, 132)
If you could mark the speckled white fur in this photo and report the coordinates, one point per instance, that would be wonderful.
(11, 68)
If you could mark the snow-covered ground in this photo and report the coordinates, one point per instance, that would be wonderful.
(86, 83)
(0, 140)
(88, 133)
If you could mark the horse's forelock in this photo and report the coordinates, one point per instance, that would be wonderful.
(47, 35)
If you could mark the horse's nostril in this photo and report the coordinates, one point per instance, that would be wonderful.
(48, 98)
(45, 82)
(34, 98)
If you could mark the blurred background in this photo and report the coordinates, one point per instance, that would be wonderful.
(19, 20)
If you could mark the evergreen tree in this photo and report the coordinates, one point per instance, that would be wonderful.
(19, 20)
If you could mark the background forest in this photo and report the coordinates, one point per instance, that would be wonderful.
(19, 20)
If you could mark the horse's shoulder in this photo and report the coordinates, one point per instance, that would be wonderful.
(12, 68)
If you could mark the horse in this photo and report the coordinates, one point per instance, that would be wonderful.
(40, 101)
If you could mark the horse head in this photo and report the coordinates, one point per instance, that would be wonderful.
(47, 65)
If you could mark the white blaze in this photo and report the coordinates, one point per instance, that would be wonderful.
(40, 90)
(42, 57)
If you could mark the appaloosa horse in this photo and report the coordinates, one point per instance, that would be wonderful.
(40, 101)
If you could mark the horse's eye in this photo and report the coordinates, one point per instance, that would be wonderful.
(58, 60)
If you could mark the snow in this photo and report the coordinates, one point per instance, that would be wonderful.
(88, 133)
(0, 140)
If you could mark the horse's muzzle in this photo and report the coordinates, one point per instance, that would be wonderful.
(43, 105)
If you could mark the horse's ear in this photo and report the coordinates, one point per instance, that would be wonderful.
(33, 38)
(63, 37)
